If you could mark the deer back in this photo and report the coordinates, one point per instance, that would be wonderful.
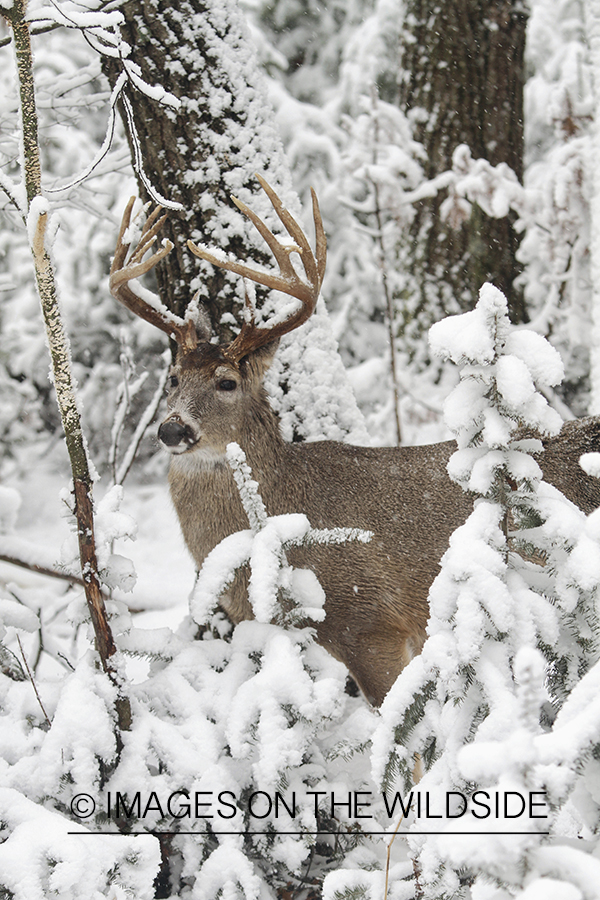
(560, 462)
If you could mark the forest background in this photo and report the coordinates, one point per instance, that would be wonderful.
(448, 147)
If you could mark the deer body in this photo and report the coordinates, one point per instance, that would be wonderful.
(376, 593)
(376, 606)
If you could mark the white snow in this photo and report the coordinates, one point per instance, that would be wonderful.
(10, 501)
(41, 854)
(268, 708)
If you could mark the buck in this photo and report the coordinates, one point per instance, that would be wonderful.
(376, 593)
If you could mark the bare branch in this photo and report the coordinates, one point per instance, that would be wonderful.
(41, 570)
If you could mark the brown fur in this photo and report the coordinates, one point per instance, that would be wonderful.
(377, 592)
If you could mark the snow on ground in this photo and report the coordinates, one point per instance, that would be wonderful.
(165, 570)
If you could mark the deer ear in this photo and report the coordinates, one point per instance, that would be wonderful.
(198, 314)
(258, 361)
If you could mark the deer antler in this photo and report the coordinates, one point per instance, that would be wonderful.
(121, 274)
(251, 337)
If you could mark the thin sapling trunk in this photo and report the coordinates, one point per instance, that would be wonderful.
(37, 219)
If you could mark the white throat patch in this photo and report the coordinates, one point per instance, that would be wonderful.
(196, 460)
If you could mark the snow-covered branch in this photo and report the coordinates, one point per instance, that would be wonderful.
(263, 549)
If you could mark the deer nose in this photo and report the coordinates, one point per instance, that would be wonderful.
(172, 433)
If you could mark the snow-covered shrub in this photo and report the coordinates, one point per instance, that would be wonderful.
(42, 855)
(479, 682)
(236, 746)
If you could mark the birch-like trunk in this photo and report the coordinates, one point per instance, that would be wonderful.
(37, 220)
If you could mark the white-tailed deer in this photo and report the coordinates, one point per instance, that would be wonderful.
(376, 593)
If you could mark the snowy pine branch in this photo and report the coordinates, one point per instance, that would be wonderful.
(264, 548)
(247, 487)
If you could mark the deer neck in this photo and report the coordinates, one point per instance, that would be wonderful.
(260, 439)
(203, 489)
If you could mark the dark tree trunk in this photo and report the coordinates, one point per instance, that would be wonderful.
(462, 83)
(206, 151)
(199, 156)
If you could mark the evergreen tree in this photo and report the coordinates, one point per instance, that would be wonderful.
(480, 675)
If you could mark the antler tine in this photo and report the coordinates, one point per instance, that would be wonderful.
(121, 274)
(149, 232)
(282, 252)
(121, 248)
(288, 281)
(320, 239)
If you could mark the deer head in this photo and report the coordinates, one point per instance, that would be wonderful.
(214, 389)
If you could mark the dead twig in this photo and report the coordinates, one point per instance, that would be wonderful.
(39, 699)
(42, 570)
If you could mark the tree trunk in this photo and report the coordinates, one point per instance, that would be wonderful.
(462, 83)
(209, 149)
(60, 354)
(222, 134)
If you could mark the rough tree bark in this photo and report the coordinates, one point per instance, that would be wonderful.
(209, 149)
(461, 82)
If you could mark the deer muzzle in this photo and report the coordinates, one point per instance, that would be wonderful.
(176, 436)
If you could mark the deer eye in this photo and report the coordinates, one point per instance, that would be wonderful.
(227, 384)
(173, 381)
